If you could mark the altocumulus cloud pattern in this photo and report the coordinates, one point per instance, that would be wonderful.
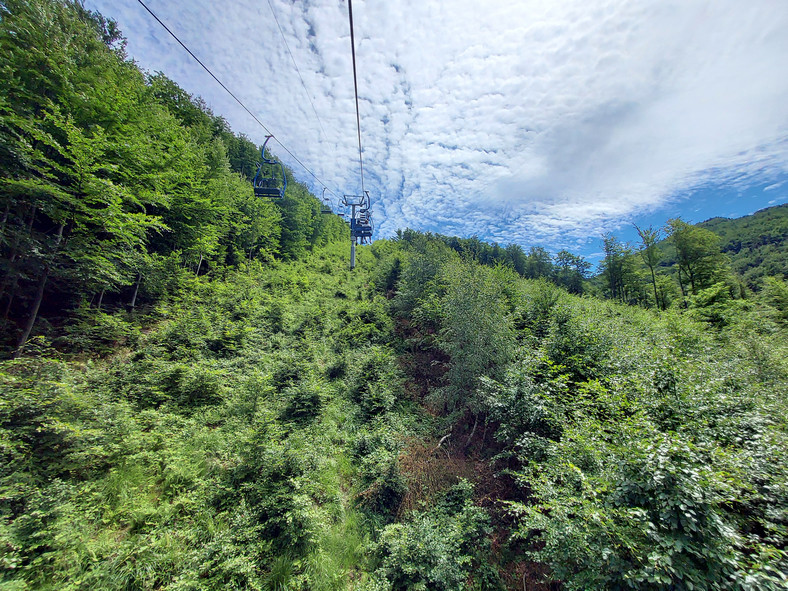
(515, 121)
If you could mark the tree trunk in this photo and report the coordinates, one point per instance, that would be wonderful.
(681, 285)
(11, 296)
(101, 299)
(31, 320)
(198, 266)
(5, 217)
(136, 291)
(15, 253)
(470, 437)
(654, 283)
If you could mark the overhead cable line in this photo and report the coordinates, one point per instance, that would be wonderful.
(355, 87)
(271, 6)
(237, 100)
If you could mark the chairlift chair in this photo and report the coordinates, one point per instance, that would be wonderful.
(360, 219)
(325, 205)
(361, 226)
(266, 183)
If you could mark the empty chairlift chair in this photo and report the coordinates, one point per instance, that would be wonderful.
(325, 205)
(268, 181)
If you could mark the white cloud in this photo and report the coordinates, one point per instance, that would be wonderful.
(518, 121)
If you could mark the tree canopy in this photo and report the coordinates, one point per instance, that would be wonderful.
(106, 172)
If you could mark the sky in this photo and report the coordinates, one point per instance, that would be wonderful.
(532, 122)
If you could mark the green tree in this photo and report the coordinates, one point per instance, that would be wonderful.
(775, 293)
(63, 114)
(517, 258)
(300, 211)
(571, 271)
(476, 332)
(539, 264)
(700, 262)
(616, 267)
(651, 255)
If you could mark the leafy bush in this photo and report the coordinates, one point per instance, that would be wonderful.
(441, 549)
(304, 402)
(525, 418)
(267, 480)
(152, 382)
(374, 380)
(717, 304)
(576, 344)
(475, 331)
(775, 293)
(535, 311)
(647, 511)
(99, 333)
(382, 485)
(388, 273)
(366, 324)
(420, 274)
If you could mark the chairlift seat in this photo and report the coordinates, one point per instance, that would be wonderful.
(269, 192)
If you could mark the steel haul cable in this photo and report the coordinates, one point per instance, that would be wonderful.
(355, 87)
(260, 123)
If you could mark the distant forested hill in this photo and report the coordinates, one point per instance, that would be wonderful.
(757, 244)
(680, 260)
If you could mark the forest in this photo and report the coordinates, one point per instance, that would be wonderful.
(196, 392)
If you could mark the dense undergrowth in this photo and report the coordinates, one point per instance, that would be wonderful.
(423, 422)
(237, 442)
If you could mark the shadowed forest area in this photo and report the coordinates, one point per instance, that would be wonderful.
(196, 392)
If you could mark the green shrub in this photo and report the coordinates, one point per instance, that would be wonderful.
(717, 304)
(366, 323)
(525, 419)
(382, 485)
(153, 382)
(475, 331)
(304, 402)
(535, 311)
(374, 380)
(647, 513)
(775, 293)
(387, 274)
(442, 549)
(575, 343)
(268, 480)
(95, 332)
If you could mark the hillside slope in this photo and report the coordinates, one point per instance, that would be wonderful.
(422, 422)
(757, 244)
